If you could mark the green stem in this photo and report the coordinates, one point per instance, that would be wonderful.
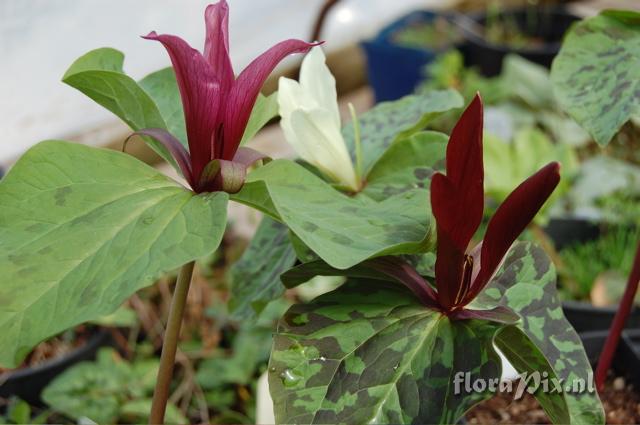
(358, 144)
(170, 345)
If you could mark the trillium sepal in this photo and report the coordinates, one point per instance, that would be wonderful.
(217, 104)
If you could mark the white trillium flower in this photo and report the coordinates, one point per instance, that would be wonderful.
(311, 120)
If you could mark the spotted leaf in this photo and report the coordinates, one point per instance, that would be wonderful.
(342, 230)
(255, 278)
(368, 352)
(596, 75)
(526, 283)
(81, 229)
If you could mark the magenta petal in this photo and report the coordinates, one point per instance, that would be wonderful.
(248, 156)
(200, 92)
(216, 46)
(402, 272)
(174, 146)
(511, 218)
(246, 88)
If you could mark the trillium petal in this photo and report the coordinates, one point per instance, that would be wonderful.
(319, 142)
(245, 90)
(511, 218)
(216, 46)
(319, 84)
(466, 175)
(450, 256)
(174, 146)
(200, 93)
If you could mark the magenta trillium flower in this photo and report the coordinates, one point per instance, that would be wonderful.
(457, 201)
(216, 103)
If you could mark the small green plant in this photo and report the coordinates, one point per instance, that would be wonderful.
(582, 263)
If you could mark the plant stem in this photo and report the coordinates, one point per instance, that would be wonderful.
(170, 345)
(611, 344)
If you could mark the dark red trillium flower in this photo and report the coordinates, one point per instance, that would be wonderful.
(457, 201)
(216, 103)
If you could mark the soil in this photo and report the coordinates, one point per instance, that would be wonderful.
(620, 399)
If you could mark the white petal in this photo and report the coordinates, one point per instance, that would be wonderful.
(321, 144)
(316, 80)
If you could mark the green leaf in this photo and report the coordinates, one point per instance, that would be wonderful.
(19, 412)
(163, 89)
(88, 389)
(407, 164)
(255, 278)
(99, 75)
(264, 110)
(123, 317)
(137, 411)
(369, 353)
(342, 230)
(526, 283)
(507, 164)
(391, 121)
(81, 229)
(596, 75)
(528, 82)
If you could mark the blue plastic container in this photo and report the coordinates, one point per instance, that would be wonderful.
(395, 70)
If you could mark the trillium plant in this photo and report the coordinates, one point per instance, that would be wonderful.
(388, 205)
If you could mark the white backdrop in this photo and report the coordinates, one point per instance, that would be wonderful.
(39, 39)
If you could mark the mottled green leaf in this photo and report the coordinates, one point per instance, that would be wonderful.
(265, 109)
(81, 229)
(342, 230)
(369, 353)
(596, 75)
(526, 283)
(407, 164)
(396, 120)
(255, 278)
(99, 75)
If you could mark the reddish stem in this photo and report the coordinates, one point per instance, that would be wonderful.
(619, 321)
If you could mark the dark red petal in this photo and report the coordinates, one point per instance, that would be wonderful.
(449, 269)
(248, 156)
(174, 146)
(466, 176)
(403, 272)
(511, 218)
(216, 45)
(498, 314)
(246, 88)
(200, 92)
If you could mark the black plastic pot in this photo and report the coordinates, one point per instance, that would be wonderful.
(549, 25)
(569, 231)
(626, 361)
(28, 383)
(585, 317)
